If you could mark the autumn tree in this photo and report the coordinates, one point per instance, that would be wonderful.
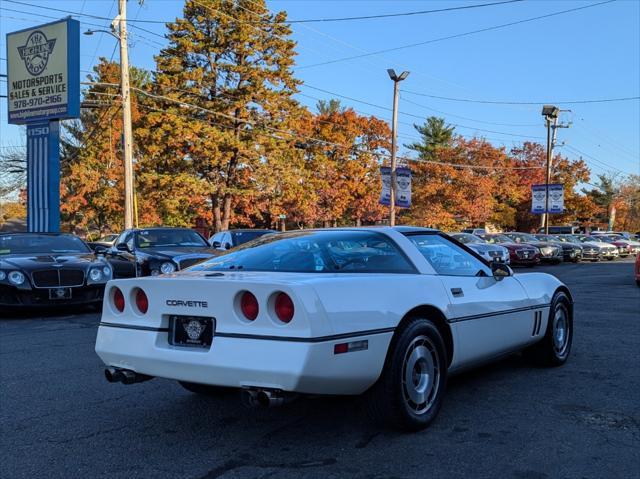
(342, 157)
(91, 160)
(228, 109)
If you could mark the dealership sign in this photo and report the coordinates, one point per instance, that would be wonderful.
(403, 186)
(43, 87)
(556, 198)
(43, 72)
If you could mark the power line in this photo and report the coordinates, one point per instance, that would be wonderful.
(457, 35)
(297, 135)
(467, 118)
(606, 165)
(420, 116)
(403, 14)
(507, 102)
(86, 15)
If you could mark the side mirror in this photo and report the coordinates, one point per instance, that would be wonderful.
(100, 249)
(227, 246)
(500, 270)
(215, 244)
(123, 247)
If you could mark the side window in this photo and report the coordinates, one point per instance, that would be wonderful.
(120, 239)
(129, 240)
(448, 258)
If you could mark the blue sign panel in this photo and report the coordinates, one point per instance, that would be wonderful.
(43, 72)
(539, 198)
(43, 176)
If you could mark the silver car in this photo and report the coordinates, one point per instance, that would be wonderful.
(490, 252)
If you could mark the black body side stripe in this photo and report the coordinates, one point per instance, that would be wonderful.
(134, 326)
(320, 339)
(499, 313)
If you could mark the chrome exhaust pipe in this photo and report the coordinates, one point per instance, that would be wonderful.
(124, 376)
(113, 375)
(268, 399)
(265, 398)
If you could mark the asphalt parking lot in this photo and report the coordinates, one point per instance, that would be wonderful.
(60, 418)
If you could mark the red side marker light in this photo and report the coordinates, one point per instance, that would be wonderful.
(350, 347)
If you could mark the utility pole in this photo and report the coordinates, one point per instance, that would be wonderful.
(550, 114)
(126, 114)
(394, 133)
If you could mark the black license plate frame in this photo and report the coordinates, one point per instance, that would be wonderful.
(183, 331)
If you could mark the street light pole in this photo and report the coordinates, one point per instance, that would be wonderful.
(126, 115)
(394, 129)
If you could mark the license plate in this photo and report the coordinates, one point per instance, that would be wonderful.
(60, 293)
(191, 331)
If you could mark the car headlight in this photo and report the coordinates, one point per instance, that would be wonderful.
(167, 267)
(546, 250)
(3, 275)
(106, 271)
(95, 274)
(16, 277)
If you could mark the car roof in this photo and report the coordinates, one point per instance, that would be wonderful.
(244, 230)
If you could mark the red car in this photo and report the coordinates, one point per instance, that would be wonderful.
(520, 254)
(638, 270)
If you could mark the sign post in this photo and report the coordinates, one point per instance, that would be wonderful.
(43, 87)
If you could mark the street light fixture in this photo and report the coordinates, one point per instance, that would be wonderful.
(394, 127)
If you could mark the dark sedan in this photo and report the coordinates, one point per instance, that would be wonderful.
(154, 251)
(570, 251)
(549, 252)
(519, 254)
(49, 269)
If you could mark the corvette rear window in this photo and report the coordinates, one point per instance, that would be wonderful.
(35, 243)
(315, 252)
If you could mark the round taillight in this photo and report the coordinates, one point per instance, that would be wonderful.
(249, 306)
(118, 300)
(142, 302)
(284, 307)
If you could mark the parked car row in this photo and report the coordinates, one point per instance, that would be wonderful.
(530, 249)
(41, 269)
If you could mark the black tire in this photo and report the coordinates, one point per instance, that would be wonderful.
(554, 348)
(575, 260)
(204, 389)
(610, 259)
(417, 347)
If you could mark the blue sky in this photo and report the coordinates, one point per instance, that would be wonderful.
(588, 54)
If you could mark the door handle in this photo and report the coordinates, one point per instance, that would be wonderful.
(457, 292)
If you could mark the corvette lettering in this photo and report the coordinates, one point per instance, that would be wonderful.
(188, 304)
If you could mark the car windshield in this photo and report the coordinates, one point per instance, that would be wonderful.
(467, 238)
(241, 237)
(340, 251)
(35, 243)
(497, 239)
(176, 238)
(544, 238)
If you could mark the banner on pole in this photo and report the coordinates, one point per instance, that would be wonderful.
(556, 198)
(403, 187)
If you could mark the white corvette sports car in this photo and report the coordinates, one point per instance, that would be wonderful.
(389, 312)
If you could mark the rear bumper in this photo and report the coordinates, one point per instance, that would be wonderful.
(295, 366)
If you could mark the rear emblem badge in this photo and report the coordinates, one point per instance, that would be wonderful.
(194, 329)
(60, 293)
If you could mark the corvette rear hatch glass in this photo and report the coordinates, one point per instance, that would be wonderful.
(314, 252)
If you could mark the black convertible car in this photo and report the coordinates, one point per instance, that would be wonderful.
(47, 269)
(153, 251)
